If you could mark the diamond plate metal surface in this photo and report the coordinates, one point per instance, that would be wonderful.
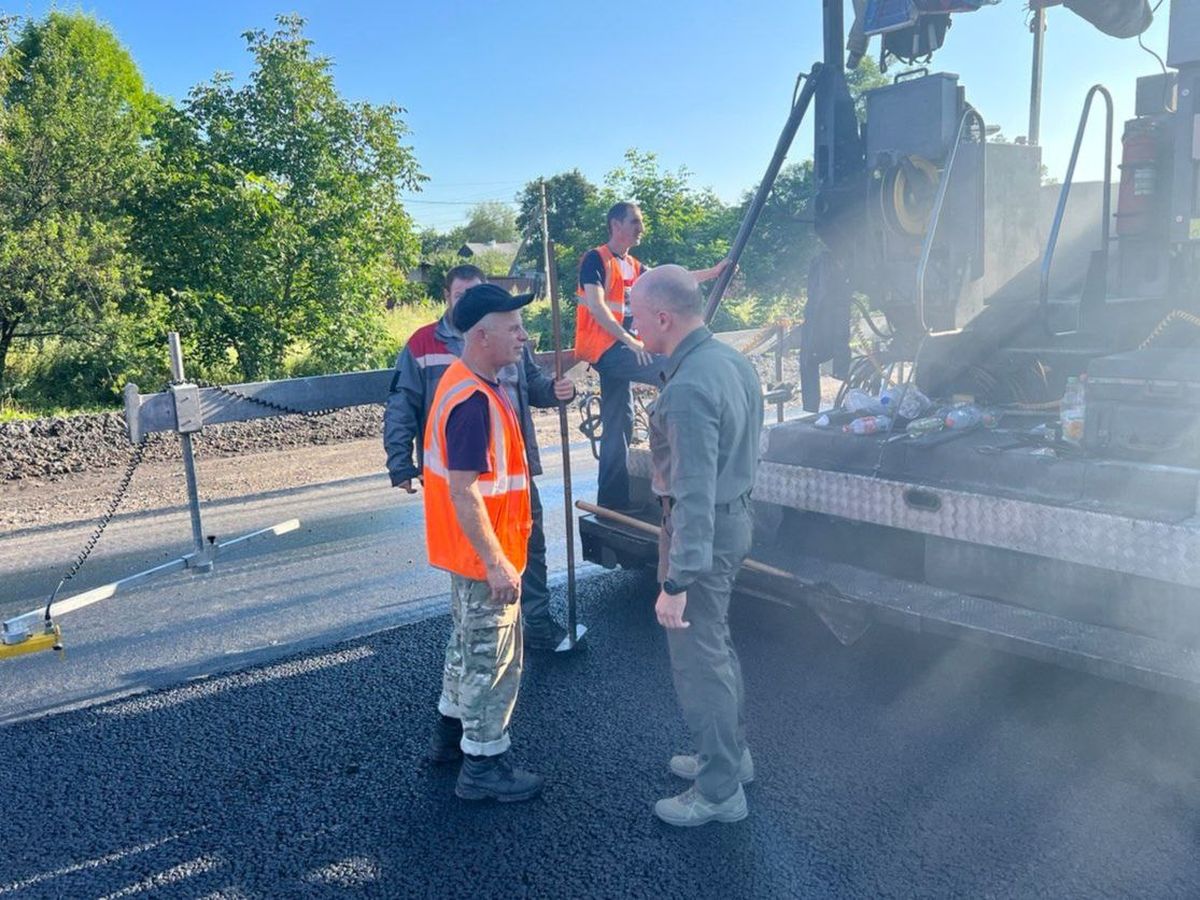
(1160, 550)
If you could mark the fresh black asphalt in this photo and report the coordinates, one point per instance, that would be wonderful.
(905, 765)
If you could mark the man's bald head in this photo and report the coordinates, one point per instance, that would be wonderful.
(666, 306)
(671, 288)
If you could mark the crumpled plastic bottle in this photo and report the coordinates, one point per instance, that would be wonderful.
(968, 415)
(927, 425)
(1073, 410)
(904, 400)
(859, 401)
(868, 425)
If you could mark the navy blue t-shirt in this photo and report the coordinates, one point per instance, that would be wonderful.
(468, 434)
(468, 431)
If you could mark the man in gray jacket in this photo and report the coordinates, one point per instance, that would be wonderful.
(419, 367)
(704, 434)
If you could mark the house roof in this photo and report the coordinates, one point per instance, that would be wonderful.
(474, 248)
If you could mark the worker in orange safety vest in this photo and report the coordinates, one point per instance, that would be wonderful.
(605, 338)
(477, 524)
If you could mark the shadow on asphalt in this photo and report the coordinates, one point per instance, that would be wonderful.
(904, 764)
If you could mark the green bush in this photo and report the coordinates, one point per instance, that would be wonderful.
(738, 313)
(539, 323)
(68, 375)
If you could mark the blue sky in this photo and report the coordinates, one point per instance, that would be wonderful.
(499, 93)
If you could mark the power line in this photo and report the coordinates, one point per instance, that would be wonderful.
(476, 183)
(458, 202)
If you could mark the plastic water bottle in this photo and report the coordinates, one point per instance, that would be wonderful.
(904, 400)
(927, 425)
(858, 400)
(1071, 411)
(868, 425)
(913, 404)
(964, 417)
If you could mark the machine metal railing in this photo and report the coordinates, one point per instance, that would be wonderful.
(935, 212)
(1065, 193)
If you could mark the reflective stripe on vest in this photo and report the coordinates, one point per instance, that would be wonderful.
(434, 359)
(591, 341)
(505, 488)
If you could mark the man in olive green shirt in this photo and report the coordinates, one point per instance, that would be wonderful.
(704, 434)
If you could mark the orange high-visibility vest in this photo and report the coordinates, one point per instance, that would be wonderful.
(505, 488)
(590, 339)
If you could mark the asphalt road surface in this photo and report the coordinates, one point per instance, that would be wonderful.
(903, 766)
(259, 733)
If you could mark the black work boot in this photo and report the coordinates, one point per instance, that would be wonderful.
(444, 741)
(493, 777)
(551, 637)
(544, 636)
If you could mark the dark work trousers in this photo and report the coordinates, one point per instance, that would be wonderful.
(535, 593)
(617, 367)
(704, 665)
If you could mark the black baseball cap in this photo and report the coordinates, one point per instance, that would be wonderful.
(478, 301)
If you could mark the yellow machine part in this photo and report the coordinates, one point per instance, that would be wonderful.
(48, 640)
(912, 198)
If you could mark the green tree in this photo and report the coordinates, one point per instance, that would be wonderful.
(573, 215)
(433, 242)
(775, 261)
(74, 113)
(491, 261)
(862, 79)
(491, 221)
(575, 220)
(277, 221)
(774, 265)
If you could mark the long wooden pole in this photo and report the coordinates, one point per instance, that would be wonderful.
(556, 328)
(605, 513)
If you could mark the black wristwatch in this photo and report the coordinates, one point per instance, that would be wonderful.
(672, 588)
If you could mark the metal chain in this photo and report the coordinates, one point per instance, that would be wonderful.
(135, 460)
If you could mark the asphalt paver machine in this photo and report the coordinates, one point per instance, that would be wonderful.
(982, 282)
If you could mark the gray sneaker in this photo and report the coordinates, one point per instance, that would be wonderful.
(688, 766)
(690, 808)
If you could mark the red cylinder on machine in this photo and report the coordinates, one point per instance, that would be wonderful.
(1139, 178)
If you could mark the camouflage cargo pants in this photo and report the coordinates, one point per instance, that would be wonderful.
(482, 672)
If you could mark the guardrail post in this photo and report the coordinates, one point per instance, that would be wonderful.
(188, 419)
